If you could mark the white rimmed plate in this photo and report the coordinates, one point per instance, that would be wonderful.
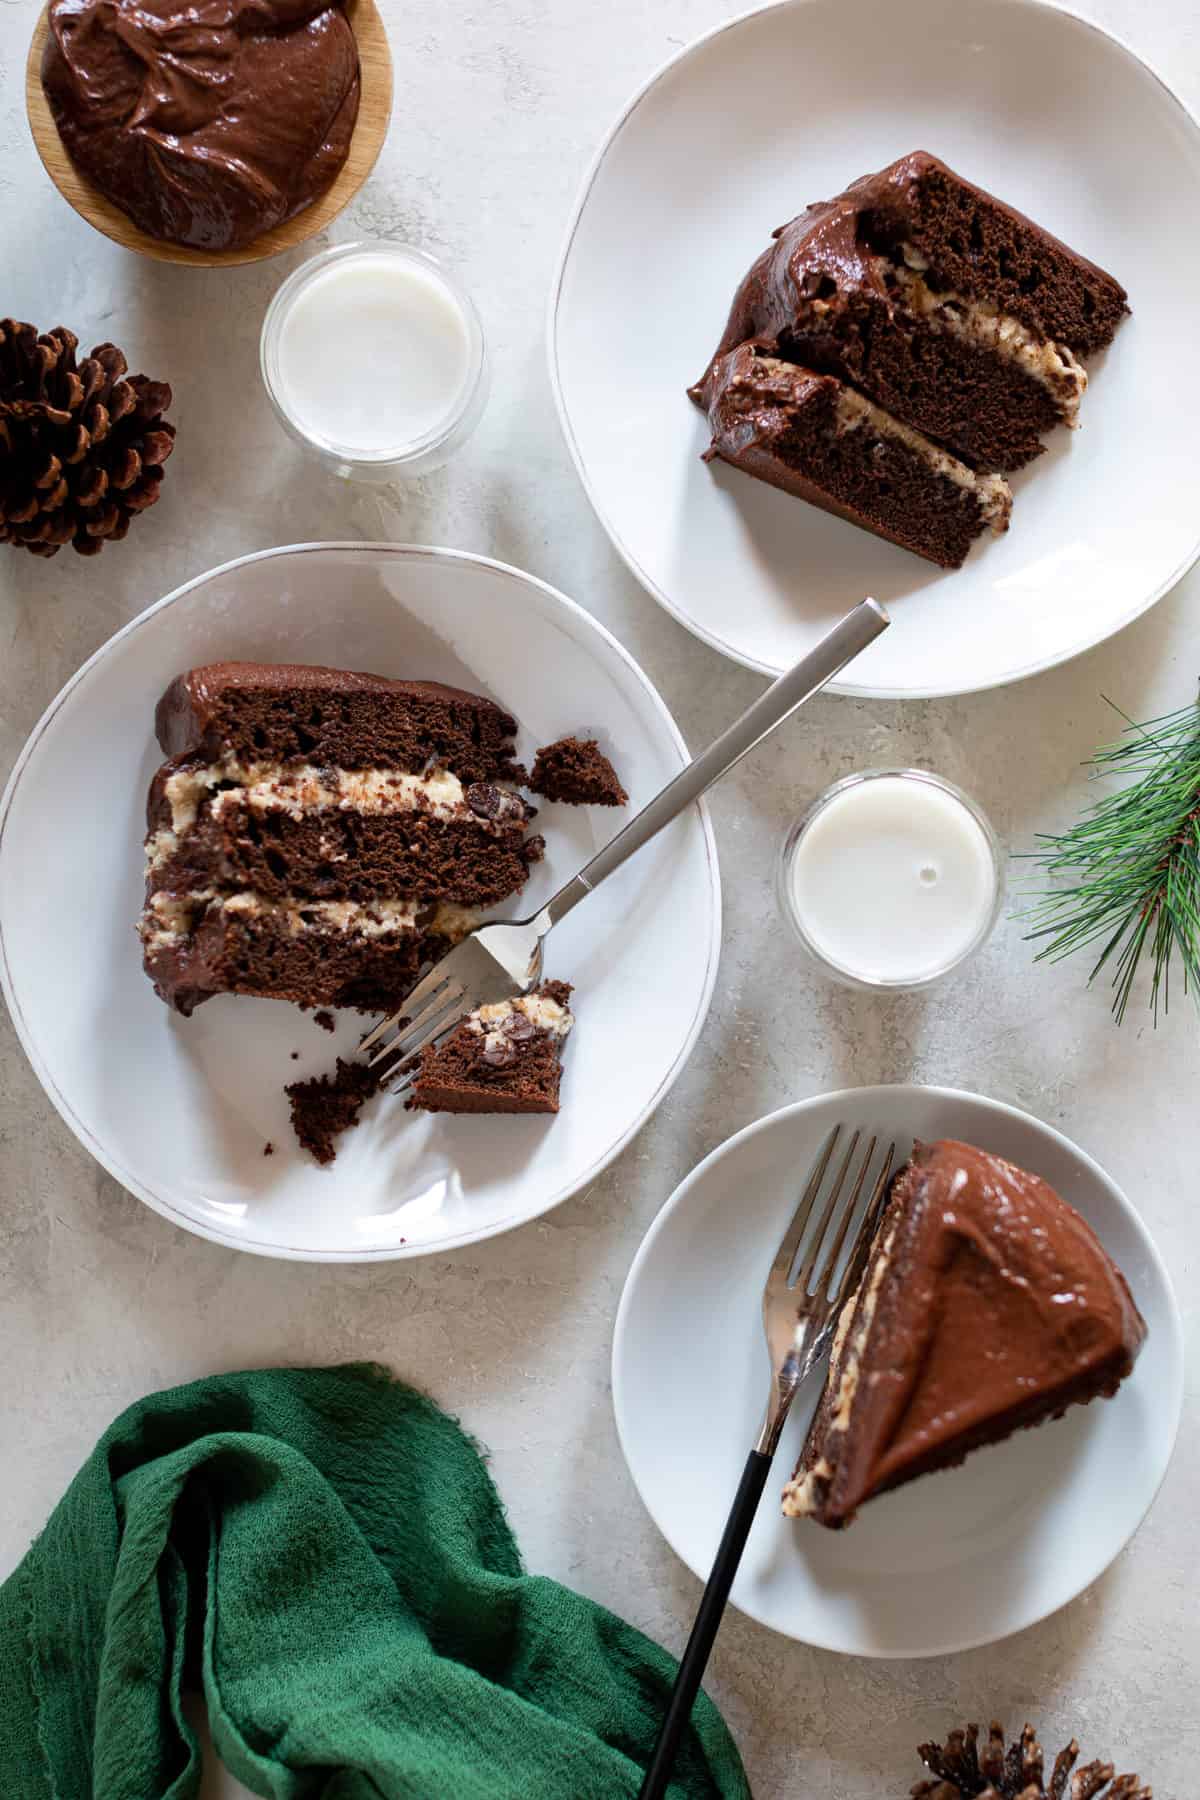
(180, 1111)
(955, 1560)
(786, 106)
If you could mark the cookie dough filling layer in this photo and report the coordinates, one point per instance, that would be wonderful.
(506, 1022)
(805, 1492)
(274, 787)
(854, 411)
(170, 919)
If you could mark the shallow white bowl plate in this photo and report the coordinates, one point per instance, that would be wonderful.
(956, 1559)
(179, 1110)
(784, 107)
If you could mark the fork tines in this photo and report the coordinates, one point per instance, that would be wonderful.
(432, 1007)
(811, 1252)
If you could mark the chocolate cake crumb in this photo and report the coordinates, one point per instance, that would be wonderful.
(576, 770)
(325, 1020)
(326, 1105)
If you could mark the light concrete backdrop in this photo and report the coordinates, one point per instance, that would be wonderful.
(498, 110)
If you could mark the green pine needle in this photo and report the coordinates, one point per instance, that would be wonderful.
(1128, 874)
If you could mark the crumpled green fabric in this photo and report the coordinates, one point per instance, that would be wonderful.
(323, 1553)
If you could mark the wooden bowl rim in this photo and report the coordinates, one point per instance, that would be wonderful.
(370, 131)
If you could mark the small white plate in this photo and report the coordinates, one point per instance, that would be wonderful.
(786, 106)
(179, 1110)
(955, 1560)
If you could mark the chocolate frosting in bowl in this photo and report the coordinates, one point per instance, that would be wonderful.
(208, 123)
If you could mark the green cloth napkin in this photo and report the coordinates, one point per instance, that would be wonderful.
(323, 1552)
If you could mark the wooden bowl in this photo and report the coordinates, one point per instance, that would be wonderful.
(370, 129)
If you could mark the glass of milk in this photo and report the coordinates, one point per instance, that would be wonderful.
(891, 879)
(374, 359)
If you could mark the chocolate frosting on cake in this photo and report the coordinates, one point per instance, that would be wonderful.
(913, 200)
(989, 1304)
(1004, 1268)
(208, 123)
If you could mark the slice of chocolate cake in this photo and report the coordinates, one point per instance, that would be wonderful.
(950, 310)
(317, 835)
(988, 1305)
(576, 771)
(503, 1058)
(817, 438)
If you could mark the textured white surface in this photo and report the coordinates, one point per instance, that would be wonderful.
(498, 111)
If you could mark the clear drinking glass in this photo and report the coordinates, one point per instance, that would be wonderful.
(961, 814)
(407, 457)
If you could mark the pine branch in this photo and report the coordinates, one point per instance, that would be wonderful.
(1128, 874)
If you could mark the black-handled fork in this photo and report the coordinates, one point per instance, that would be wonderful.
(804, 1294)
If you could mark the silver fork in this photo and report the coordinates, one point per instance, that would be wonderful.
(501, 961)
(805, 1291)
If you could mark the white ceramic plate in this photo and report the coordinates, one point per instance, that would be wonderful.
(179, 1110)
(786, 106)
(955, 1560)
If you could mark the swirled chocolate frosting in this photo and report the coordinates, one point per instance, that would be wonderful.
(207, 123)
(988, 1306)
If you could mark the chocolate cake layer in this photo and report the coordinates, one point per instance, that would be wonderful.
(576, 771)
(941, 304)
(978, 246)
(501, 1059)
(988, 1305)
(315, 953)
(291, 713)
(348, 857)
(814, 437)
(330, 834)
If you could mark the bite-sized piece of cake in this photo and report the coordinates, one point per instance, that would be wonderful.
(576, 771)
(326, 1105)
(987, 1305)
(316, 836)
(292, 713)
(944, 306)
(814, 437)
(503, 1058)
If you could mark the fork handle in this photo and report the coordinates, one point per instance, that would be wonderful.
(704, 1631)
(858, 629)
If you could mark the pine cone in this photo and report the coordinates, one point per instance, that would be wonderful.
(963, 1772)
(82, 445)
